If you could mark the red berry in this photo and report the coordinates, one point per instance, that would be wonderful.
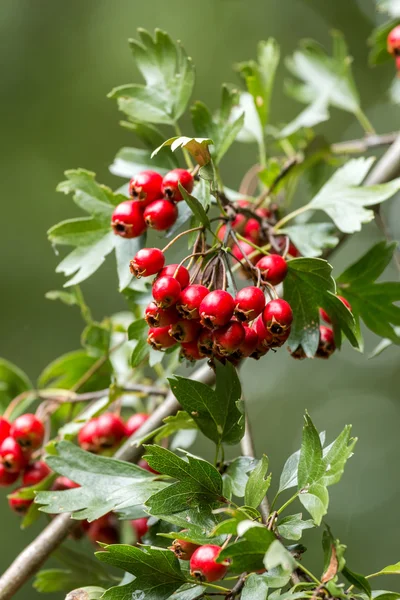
(140, 527)
(243, 249)
(182, 274)
(277, 316)
(127, 219)
(190, 299)
(393, 41)
(160, 215)
(250, 302)
(221, 233)
(7, 478)
(170, 183)
(203, 564)
(63, 483)
(252, 230)
(159, 317)
(185, 330)
(135, 422)
(325, 315)
(282, 243)
(216, 309)
(228, 339)
(28, 431)
(148, 261)
(326, 345)
(249, 343)
(103, 530)
(166, 291)
(238, 222)
(265, 337)
(4, 429)
(205, 343)
(243, 203)
(273, 268)
(143, 464)
(12, 455)
(19, 505)
(159, 338)
(110, 430)
(88, 438)
(183, 549)
(146, 187)
(35, 472)
(191, 351)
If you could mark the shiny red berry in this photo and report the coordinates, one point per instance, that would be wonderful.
(4, 429)
(183, 549)
(135, 422)
(88, 438)
(35, 472)
(140, 528)
(273, 268)
(12, 455)
(252, 230)
(205, 342)
(110, 430)
(19, 505)
(143, 464)
(277, 316)
(265, 337)
(160, 215)
(181, 274)
(145, 187)
(159, 338)
(104, 530)
(249, 303)
(146, 262)
(160, 317)
(243, 249)
(63, 483)
(171, 180)
(185, 330)
(7, 478)
(191, 351)
(203, 564)
(166, 291)
(190, 299)
(216, 309)
(249, 343)
(326, 346)
(28, 431)
(227, 339)
(324, 315)
(393, 41)
(127, 219)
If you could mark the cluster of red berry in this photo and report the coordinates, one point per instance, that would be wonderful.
(203, 559)
(393, 45)
(153, 202)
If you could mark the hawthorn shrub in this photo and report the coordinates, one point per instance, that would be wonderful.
(109, 442)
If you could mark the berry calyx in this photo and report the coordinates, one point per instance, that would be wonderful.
(166, 291)
(203, 564)
(12, 456)
(171, 180)
(205, 342)
(183, 549)
(127, 219)
(159, 338)
(135, 422)
(28, 431)
(140, 527)
(35, 473)
(216, 309)
(146, 262)
(7, 478)
(273, 268)
(185, 330)
(5, 427)
(277, 316)
(160, 317)
(228, 339)
(160, 215)
(145, 187)
(181, 274)
(326, 346)
(190, 299)
(88, 438)
(324, 315)
(250, 302)
(191, 351)
(19, 505)
(110, 430)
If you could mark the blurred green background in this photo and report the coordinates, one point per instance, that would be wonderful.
(58, 61)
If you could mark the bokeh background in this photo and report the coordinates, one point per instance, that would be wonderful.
(58, 60)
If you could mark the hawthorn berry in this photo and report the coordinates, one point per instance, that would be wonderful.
(277, 316)
(166, 291)
(171, 180)
(140, 527)
(63, 483)
(5, 427)
(203, 564)
(7, 478)
(273, 268)
(110, 430)
(160, 317)
(324, 315)
(12, 455)
(181, 274)
(249, 303)
(227, 339)
(103, 530)
(35, 472)
(159, 338)
(183, 549)
(326, 346)
(185, 330)
(191, 351)
(252, 230)
(88, 438)
(282, 243)
(28, 431)
(146, 262)
(145, 187)
(205, 342)
(393, 41)
(189, 301)
(135, 422)
(127, 219)
(240, 251)
(249, 343)
(19, 505)
(265, 337)
(216, 309)
(160, 214)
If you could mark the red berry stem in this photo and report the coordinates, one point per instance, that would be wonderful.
(177, 237)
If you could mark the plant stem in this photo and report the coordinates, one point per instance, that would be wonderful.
(365, 122)
(85, 310)
(177, 237)
(186, 154)
(291, 216)
(282, 508)
(307, 572)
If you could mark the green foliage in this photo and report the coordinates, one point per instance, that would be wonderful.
(13, 382)
(311, 239)
(67, 370)
(258, 484)
(378, 42)
(248, 553)
(197, 147)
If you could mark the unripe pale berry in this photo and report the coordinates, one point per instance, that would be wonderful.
(159, 338)
(28, 431)
(216, 309)
(203, 564)
(4, 429)
(160, 317)
(166, 291)
(170, 182)
(35, 473)
(146, 262)
(135, 422)
(324, 315)
(127, 219)
(145, 187)
(249, 303)
(140, 527)
(326, 346)
(191, 351)
(190, 299)
(273, 268)
(88, 438)
(227, 339)
(160, 214)
(185, 330)
(277, 316)
(12, 455)
(19, 505)
(110, 430)
(181, 274)
(183, 549)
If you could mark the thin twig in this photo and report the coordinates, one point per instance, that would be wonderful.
(287, 167)
(237, 588)
(362, 145)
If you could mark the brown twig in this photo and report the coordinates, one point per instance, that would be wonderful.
(237, 588)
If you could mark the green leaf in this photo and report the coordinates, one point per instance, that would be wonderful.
(314, 114)
(247, 554)
(258, 484)
(336, 455)
(13, 381)
(192, 592)
(389, 570)
(311, 467)
(236, 475)
(357, 580)
(139, 353)
(288, 477)
(311, 239)
(308, 286)
(195, 206)
(197, 147)
(255, 588)
(67, 370)
(69, 298)
(334, 560)
(292, 527)
(316, 501)
(173, 424)
(278, 556)
(83, 231)
(378, 42)
(106, 484)
(96, 339)
(157, 572)
(392, 7)
(125, 249)
(216, 413)
(344, 199)
(373, 302)
(130, 161)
